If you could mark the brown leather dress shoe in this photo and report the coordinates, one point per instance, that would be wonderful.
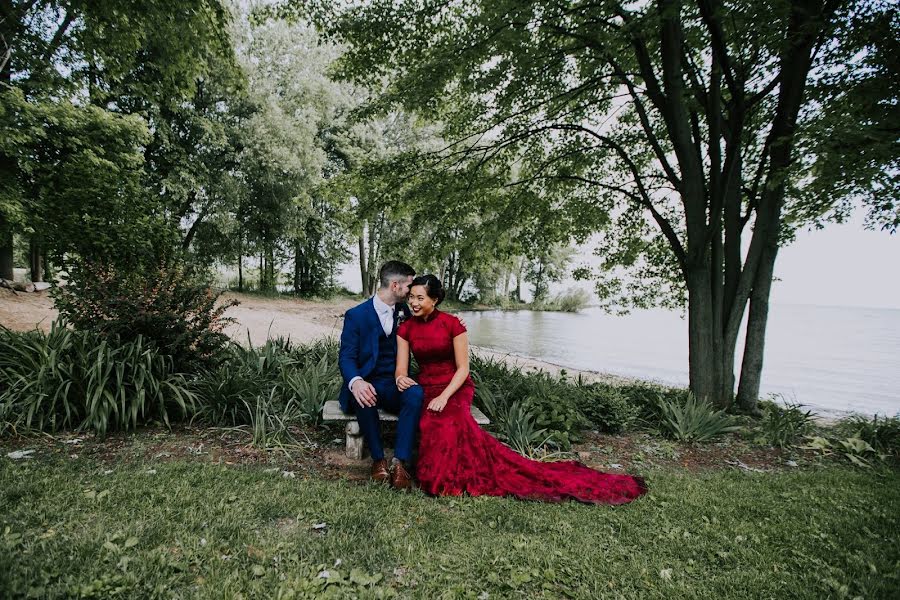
(380, 471)
(400, 479)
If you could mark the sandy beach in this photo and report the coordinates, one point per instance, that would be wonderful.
(258, 318)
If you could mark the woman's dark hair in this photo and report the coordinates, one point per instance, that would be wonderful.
(433, 287)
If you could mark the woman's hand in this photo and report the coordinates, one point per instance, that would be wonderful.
(404, 383)
(438, 403)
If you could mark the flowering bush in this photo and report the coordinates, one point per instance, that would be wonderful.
(166, 306)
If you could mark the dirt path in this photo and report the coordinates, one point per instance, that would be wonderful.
(23, 312)
(302, 320)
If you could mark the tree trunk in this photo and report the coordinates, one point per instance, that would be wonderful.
(35, 260)
(298, 255)
(189, 236)
(757, 319)
(372, 268)
(703, 363)
(518, 290)
(363, 273)
(262, 270)
(48, 267)
(6, 251)
(240, 261)
(8, 165)
(460, 285)
(450, 282)
(270, 268)
(806, 23)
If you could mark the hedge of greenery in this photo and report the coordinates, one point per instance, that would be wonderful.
(134, 349)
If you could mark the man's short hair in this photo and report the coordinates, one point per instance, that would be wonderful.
(393, 270)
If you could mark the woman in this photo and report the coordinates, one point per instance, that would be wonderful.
(455, 454)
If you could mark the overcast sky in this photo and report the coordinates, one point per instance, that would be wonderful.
(841, 265)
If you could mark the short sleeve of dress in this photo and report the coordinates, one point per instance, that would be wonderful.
(456, 327)
(403, 330)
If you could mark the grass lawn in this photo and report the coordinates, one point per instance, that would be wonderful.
(138, 529)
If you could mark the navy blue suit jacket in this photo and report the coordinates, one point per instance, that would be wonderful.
(359, 345)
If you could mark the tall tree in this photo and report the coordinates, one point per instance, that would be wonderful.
(673, 126)
(118, 57)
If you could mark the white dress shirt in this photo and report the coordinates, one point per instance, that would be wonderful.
(385, 314)
(385, 317)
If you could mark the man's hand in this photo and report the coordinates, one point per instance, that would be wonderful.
(364, 392)
(404, 383)
(438, 403)
(461, 320)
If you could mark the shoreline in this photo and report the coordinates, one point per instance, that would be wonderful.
(821, 414)
(259, 318)
(534, 363)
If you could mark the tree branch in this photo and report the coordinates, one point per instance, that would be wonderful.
(645, 123)
(693, 188)
(58, 36)
(758, 96)
(646, 201)
(708, 13)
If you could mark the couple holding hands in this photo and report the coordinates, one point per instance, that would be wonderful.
(455, 455)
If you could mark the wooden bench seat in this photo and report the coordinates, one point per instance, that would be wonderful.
(355, 445)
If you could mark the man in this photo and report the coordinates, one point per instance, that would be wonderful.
(367, 359)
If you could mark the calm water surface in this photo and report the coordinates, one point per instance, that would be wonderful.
(832, 359)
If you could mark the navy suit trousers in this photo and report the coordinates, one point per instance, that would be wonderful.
(406, 405)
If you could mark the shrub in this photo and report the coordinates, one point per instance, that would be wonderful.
(270, 387)
(311, 385)
(166, 307)
(226, 391)
(550, 404)
(693, 420)
(78, 379)
(858, 451)
(607, 407)
(518, 430)
(572, 300)
(882, 433)
(782, 425)
(553, 405)
(646, 397)
(270, 421)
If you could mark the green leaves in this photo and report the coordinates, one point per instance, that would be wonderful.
(782, 425)
(859, 452)
(78, 176)
(529, 411)
(270, 389)
(168, 305)
(693, 421)
(66, 379)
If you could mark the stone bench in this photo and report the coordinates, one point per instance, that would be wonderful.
(332, 412)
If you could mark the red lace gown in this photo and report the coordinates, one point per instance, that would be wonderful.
(457, 456)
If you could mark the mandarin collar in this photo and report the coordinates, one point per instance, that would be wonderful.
(431, 316)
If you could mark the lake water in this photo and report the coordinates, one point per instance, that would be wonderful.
(832, 359)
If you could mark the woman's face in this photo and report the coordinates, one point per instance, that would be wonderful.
(419, 302)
